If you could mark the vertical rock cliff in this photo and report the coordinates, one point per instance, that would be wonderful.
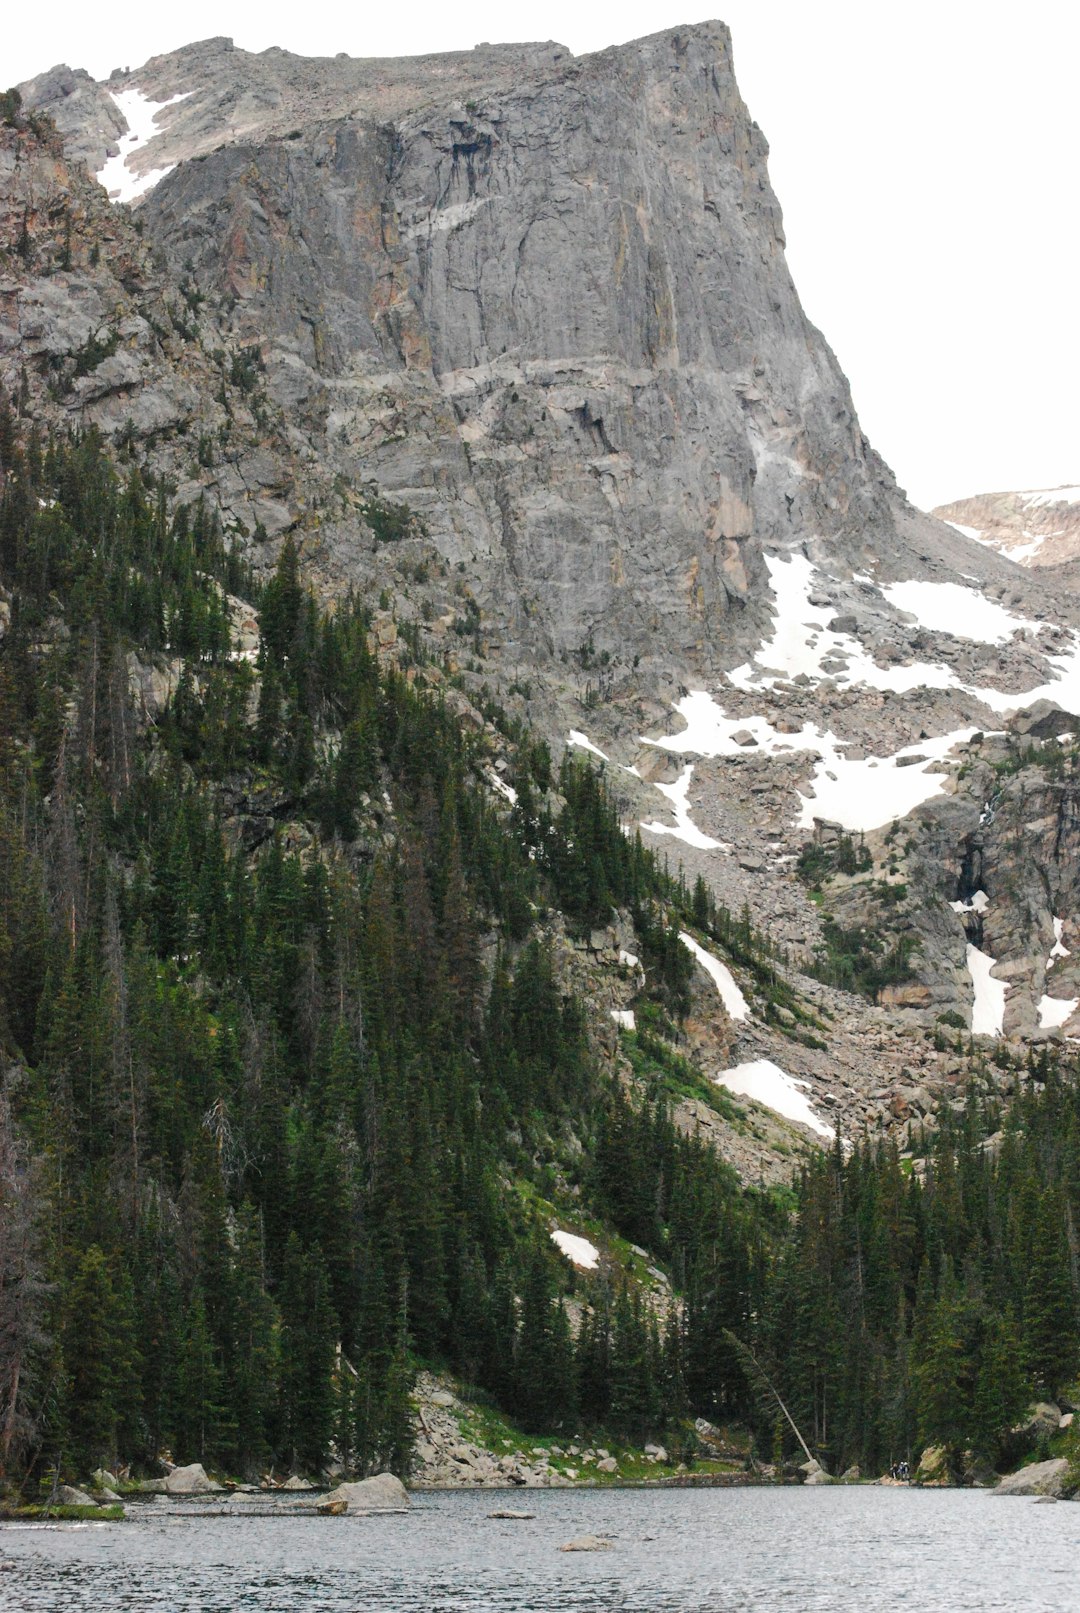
(543, 300)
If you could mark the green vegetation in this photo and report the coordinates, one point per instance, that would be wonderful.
(292, 1077)
(819, 860)
(390, 522)
(113, 1513)
(907, 1312)
(262, 1104)
(860, 960)
(97, 347)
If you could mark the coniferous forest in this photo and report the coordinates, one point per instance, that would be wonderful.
(288, 1062)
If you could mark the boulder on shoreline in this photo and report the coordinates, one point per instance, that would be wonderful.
(1041, 1478)
(381, 1493)
(934, 1470)
(191, 1480)
(67, 1496)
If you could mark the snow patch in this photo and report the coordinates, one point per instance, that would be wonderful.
(978, 904)
(140, 114)
(766, 1083)
(988, 1012)
(1021, 553)
(578, 1250)
(867, 794)
(684, 828)
(859, 795)
(967, 531)
(946, 607)
(870, 792)
(584, 743)
(1058, 950)
(1054, 1011)
(721, 976)
(801, 644)
(503, 788)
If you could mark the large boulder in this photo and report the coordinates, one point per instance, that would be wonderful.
(1041, 1478)
(381, 1493)
(1041, 1421)
(935, 1470)
(587, 1543)
(67, 1496)
(190, 1480)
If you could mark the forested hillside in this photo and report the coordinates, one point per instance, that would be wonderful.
(290, 1064)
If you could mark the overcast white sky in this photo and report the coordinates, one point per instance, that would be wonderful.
(925, 156)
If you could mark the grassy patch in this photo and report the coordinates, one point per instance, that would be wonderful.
(109, 1514)
(656, 1063)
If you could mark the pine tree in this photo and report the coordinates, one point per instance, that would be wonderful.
(1051, 1342)
(101, 1361)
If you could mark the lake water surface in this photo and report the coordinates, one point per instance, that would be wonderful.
(710, 1551)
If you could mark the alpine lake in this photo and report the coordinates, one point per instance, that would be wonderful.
(836, 1549)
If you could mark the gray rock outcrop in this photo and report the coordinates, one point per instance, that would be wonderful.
(1041, 1478)
(380, 1493)
(934, 1470)
(191, 1480)
(68, 1496)
(553, 316)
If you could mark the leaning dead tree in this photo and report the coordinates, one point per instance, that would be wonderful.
(763, 1384)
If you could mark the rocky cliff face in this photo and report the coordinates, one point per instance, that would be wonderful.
(508, 337)
(543, 300)
(1037, 528)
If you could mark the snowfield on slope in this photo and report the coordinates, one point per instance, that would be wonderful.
(988, 1011)
(948, 607)
(140, 114)
(684, 828)
(863, 793)
(860, 795)
(1054, 1011)
(722, 977)
(579, 1251)
(766, 1083)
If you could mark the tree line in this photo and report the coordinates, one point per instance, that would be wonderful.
(288, 1061)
